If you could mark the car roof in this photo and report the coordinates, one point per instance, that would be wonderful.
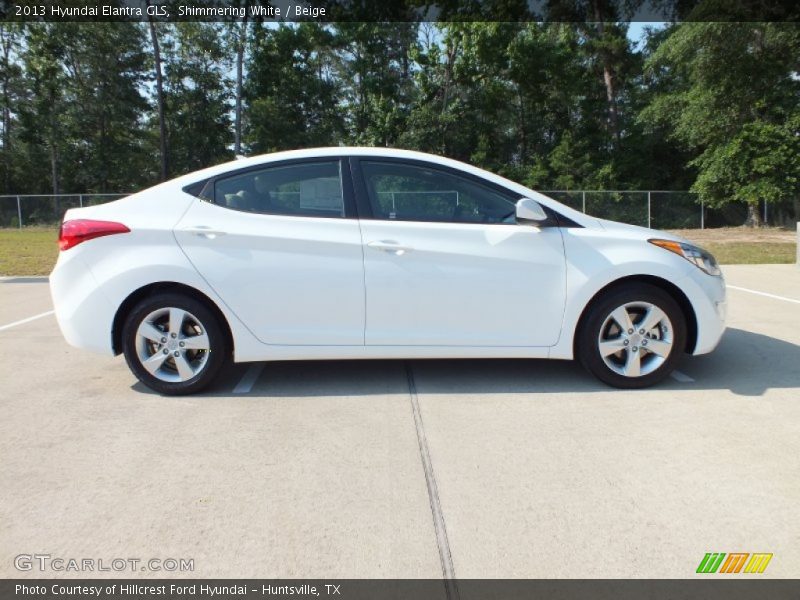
(361, 151)
(321, 153)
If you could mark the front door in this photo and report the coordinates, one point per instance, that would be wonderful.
(446, 264)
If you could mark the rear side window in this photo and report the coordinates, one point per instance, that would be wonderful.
(304, 189)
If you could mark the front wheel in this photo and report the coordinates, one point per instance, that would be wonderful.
(174, 344)
(632, 336)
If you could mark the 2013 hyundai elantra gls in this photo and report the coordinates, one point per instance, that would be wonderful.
(348, 253)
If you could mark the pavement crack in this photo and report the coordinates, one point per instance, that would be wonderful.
(445, 556)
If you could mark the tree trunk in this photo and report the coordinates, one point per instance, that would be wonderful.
(6, 140)
(162, 123)
(54, 169)
(608, 74)
(53, 143)
(452, 53)
(6, 110)
(753, 216)
(237, 144)
(523, 128)
(54, 178)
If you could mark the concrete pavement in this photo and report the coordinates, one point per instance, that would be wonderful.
(317, 470)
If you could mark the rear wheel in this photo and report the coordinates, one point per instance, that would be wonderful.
(632, 336)
(174, 344)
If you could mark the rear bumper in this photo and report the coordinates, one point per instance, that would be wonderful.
(84, 314)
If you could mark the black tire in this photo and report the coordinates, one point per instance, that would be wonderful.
(198, 320)
(598, 321)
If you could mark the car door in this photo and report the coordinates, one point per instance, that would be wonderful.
(281, 246)
(446, 264)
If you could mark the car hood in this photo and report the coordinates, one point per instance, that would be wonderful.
(636, 232)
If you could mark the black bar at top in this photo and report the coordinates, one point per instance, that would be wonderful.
(567, 11)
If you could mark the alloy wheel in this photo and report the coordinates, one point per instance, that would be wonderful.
(172, 345)
(635, 339)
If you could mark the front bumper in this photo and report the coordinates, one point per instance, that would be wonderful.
(709, 300)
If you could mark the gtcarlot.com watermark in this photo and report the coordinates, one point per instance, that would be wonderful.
(48, 563)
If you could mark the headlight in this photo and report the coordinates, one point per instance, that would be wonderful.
(695, 255)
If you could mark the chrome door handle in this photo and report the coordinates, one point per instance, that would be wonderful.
(389, 246)
(204, 231)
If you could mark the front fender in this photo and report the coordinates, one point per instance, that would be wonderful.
(595, 260)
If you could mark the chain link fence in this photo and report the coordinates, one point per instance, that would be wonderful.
(45, 210)
(649, 208)
(660, 209)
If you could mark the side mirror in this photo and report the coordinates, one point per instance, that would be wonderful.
(530, 211)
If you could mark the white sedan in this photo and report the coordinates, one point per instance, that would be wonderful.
(346, 253)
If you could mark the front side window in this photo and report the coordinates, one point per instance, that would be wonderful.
(406, 192)
(304, 189)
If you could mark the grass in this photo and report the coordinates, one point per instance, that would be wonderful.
(28, 251)
(752, 253)
(746, 246)
(33, 250)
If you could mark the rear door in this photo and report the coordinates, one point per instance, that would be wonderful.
(446, 264)
(281, 246)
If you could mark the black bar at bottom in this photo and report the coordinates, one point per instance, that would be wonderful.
(708, 588)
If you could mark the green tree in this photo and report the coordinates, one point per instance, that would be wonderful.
(735, 99)
(158, 71)
(374, 68)
(12, 90)
(84, 109)
(431, 113)
(534, 99)
(291, 97)
(106, 66)
(42, 119)
(197, 97)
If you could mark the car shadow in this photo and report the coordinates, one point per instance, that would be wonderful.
(745, 363)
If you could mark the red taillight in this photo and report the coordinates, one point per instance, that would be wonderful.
(74, 232)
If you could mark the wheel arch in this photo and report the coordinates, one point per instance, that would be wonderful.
(164, 286)
(670, 288)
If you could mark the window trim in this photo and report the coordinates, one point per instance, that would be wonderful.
(198, 188)
(364, 205)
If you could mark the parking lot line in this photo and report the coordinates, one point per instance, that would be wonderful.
(756, 292)
(249, 379)
(28, 320)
